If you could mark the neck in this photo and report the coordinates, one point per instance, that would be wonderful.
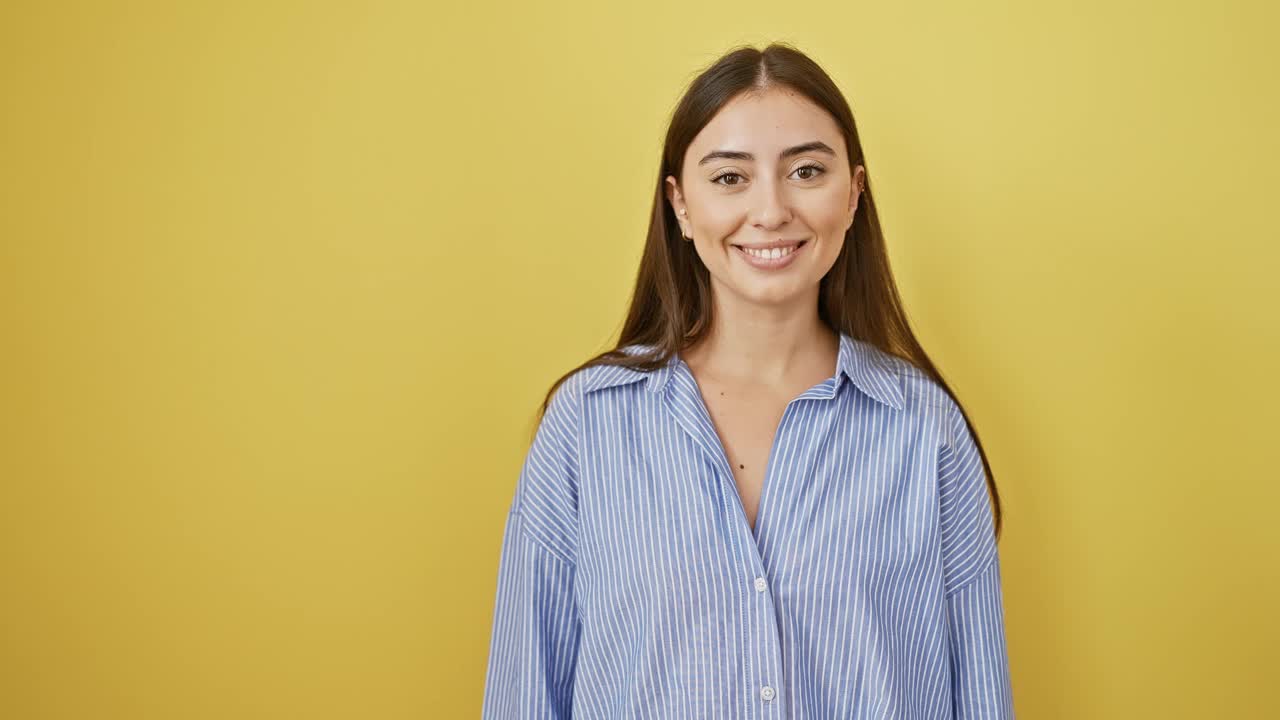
(764, 347)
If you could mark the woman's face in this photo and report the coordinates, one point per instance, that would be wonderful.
(769, 168)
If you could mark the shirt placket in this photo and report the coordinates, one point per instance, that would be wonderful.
(761, 637)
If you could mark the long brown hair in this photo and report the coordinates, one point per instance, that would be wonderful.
(671, 304)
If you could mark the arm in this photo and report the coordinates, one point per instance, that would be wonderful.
(534, 644)
(980, 682)
(533, 650)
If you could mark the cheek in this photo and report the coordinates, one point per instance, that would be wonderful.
(832, 213)
(718, 220)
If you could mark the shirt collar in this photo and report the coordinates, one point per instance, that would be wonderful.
(869, 368)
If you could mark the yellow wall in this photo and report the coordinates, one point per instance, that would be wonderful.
(281, 284)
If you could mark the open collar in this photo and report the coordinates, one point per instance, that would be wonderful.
(865, 365)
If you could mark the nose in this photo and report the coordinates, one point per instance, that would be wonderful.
(770, 208)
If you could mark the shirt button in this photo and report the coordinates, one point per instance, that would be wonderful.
(766, 692)
(761, 586)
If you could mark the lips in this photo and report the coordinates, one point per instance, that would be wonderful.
(765, 259)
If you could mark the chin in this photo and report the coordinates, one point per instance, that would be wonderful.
(773, 293)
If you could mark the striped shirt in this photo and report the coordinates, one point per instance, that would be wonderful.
(631, 585)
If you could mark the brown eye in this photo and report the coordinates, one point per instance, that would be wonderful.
(716, 179)
(818, 170)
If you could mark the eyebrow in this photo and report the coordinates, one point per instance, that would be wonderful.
(816, 145)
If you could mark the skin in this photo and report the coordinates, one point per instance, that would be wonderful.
(767, 343)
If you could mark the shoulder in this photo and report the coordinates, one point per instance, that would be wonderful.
(925, 399)
(601, 376)
(547, 492)
(566, 401)
(919, 390)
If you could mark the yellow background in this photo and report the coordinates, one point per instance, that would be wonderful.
(282, 284)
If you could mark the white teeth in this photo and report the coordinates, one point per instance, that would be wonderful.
(771, 253)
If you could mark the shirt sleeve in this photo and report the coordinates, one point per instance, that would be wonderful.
(533, 650)
(536, 627)
(980, 681)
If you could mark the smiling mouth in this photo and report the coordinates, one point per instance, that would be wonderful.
(774, 252)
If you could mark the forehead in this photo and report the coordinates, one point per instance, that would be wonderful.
(764, 123)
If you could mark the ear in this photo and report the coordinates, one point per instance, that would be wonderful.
(673, 194)
(856, 189)
(676, 198)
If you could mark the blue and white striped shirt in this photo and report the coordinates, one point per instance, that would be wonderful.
(631, 585)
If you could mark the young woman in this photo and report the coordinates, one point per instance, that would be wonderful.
(765, 502)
